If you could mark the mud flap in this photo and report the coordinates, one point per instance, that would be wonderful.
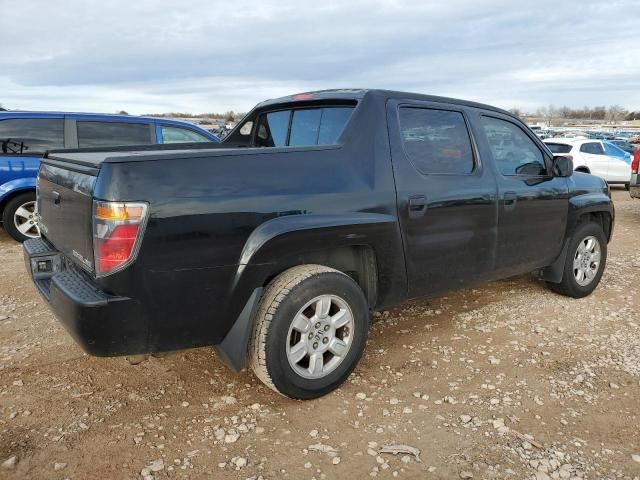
(233, 349)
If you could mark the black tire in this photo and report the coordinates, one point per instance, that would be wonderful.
(9, 211)
(627, 186)
(282, 300)
(569, 286)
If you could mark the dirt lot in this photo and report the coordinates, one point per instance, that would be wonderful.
(504, 381)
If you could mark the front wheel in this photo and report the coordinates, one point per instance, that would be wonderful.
(19, 217)
(585, 262)
(311, 328)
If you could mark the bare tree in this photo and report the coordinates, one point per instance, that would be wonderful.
(548, 114)
(616, 113)
(516, 111)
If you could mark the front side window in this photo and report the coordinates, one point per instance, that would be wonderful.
(594, 148)
(112, 134)
(513, 151)
(31, 135)
(436, 141)
(302, 127)
(181, 135)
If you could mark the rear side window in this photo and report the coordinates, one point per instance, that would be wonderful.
(594, 148)
(436, 141)
(181, 135)
(112, 134)
(31, 135)
(302, 127)
(559, 147)
(513, 151)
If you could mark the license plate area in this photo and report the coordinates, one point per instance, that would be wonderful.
(46, 266)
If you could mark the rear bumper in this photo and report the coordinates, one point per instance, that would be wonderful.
(102, 324)
(634, 186)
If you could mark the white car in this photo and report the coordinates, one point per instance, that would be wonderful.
(591, 156)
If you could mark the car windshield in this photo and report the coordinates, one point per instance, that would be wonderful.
(559, 147)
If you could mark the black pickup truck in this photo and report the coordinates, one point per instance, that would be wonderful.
(275, 245)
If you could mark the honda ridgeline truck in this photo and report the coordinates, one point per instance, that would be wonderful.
(275, 246)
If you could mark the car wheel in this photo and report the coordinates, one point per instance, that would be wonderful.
(627, 186)
(585, 262)
(311, 328)
(19, 217)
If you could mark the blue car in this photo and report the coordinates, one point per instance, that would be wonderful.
(613, 150)
(25, 136)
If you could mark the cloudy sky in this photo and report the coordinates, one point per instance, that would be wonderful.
(148, 56)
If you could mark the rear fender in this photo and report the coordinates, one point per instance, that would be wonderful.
(283, 242)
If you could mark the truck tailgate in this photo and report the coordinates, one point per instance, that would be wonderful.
(65, 206)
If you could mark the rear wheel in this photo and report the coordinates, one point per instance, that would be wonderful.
(19, 217)
(311, 328)
(585, 262)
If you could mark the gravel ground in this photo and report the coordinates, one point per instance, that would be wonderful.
(507, 380)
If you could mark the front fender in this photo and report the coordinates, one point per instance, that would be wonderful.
(594, 202)
(17, 185)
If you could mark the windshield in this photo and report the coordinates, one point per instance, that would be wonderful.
(559, 147)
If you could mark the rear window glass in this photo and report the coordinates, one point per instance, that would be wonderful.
(302, 127)
(112, 134)
(436, 141)
(181, 135)
(31, 135)
(559, 147)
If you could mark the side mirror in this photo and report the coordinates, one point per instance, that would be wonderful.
(562, 166)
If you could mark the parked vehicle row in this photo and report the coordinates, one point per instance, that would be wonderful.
(598, 157)
(25, 136)
(275, 245)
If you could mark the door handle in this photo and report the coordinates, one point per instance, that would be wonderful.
(417, 205)
(510, 200)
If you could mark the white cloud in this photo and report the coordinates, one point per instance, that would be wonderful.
(199, 55)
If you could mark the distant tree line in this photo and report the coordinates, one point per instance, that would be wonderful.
(230, 116)
(613, 113)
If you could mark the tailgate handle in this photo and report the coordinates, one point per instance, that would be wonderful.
(56, 198)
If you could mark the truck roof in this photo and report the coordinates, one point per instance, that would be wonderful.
(360, 93)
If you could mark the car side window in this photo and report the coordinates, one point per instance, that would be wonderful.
(594, 148)
(436, 141)
(181, 135)
(513, 151)
(31, 135)
(112, 134)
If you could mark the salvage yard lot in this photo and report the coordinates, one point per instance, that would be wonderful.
(506, 380)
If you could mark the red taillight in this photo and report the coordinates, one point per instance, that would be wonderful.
(635, 163)
(117, 231)
(116, 249)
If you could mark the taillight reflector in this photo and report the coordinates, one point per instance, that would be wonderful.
(635, 163)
